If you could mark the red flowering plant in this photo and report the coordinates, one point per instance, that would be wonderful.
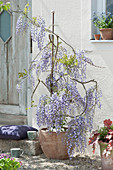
(104, 134)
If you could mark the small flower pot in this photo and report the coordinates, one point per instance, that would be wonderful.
(97, 36)
(106, 162)
(53, 144)
(106, 33)
(32, 135)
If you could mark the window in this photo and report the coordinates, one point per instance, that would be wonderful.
(100, 6)
(5, 25)
(109, 5)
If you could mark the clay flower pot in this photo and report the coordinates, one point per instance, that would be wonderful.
(53, 144)
(97, 36)
(106, 33)
(106, 162)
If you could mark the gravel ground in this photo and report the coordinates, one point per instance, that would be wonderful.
(79, 162)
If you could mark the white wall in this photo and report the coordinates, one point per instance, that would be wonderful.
(67, 17)
(74, 25)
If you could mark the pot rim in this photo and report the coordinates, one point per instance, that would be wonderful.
(105, 29)
(46, 130)
(96, 34)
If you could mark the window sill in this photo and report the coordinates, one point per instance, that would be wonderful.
(101, 41)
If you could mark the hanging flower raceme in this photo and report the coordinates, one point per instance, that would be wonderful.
(45, 61)
(62, 73)
(38, 32)
(21, 24)
(76, 135)
(50, 111)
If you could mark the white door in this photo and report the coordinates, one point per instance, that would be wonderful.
(14, 54)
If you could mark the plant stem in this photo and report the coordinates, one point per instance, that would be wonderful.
(52, 67)
(35, 90)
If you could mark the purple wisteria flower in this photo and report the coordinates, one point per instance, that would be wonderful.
(21, 24)
(38, 33)
(65, 107)
(18, 87)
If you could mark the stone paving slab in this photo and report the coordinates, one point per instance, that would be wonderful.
(30, 147)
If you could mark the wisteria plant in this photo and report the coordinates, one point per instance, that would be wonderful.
(104, 134)
(64, 105)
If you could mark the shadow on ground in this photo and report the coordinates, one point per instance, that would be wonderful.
(79, 162)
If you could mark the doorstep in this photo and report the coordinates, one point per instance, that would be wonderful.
(30, 147)
(12, 119)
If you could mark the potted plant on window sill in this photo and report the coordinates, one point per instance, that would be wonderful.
(97, 36)
(105, 24)
(65, 110)
(104, 136)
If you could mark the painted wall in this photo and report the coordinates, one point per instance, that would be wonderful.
(74, 25)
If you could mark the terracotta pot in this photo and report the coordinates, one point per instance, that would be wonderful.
(97, 36)
(53, 145)
(106, 162)
(106, 33)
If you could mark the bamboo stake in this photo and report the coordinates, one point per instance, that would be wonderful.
(52, 68)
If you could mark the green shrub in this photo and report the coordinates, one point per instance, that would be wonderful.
(9, 163)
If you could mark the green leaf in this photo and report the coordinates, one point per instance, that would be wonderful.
(111, 127)
(76, 63)
(22, 74)
(25, 71)
(28, 108)
(0, 9)
(27, 5)
(59, 43)
(103, 132)
(1, 2)
(34, 105)
(8, 5)
(4, 8)
(34, 19)
(26, 9)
